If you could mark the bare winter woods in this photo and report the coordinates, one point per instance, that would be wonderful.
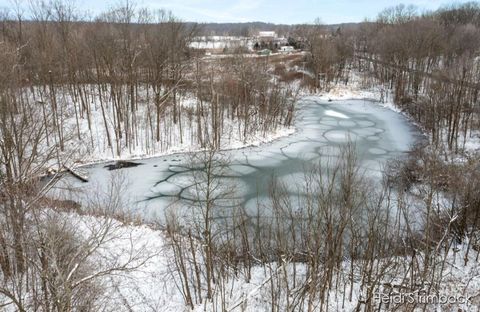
(125, 83)
(428, 62)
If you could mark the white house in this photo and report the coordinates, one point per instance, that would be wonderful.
(286, 49)
(267, 36)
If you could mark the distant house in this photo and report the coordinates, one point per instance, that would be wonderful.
(220, 44)
(286, 49)
(267, 36)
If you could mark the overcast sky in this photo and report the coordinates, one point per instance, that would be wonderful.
(275, 11)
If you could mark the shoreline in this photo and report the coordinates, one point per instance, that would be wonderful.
(365, 95)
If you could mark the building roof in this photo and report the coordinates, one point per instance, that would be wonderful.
(267, 34)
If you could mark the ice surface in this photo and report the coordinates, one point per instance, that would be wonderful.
(340, 136)
(347, 123)
(377, 151)
(365, 123)
(373, 138)
(333, 113)
(160, 184)
(329, 122)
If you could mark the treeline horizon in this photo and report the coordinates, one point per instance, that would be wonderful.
(17, 13)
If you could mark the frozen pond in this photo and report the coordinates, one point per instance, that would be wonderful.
(161, 183)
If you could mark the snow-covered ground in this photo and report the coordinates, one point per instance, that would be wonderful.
(155, 286)
(221, 42)
(87, 141)
(355, 89)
